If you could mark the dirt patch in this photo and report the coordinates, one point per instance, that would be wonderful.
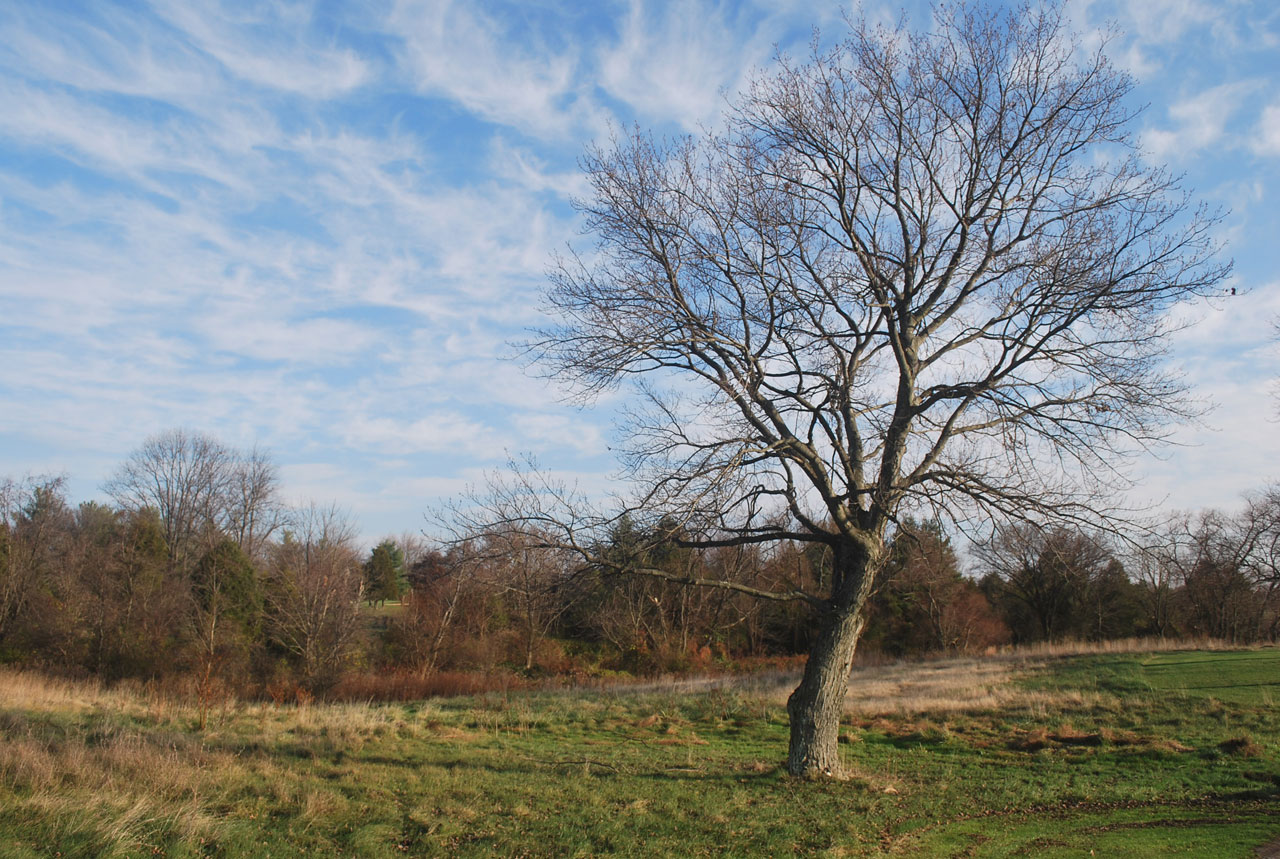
(1030, 741)
(1244, 747)
(1270, 850)
(1035, 739)
(1068, 736)
(1172, 746)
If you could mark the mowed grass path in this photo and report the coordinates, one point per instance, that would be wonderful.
(1122, 755)
(1247, 677)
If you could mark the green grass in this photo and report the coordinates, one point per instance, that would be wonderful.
(1245, 677)
(1127, 755)
(382, 610)
(1249, 677)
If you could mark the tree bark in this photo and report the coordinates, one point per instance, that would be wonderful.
(816, 704)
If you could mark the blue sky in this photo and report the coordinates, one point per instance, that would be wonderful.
(316, 226)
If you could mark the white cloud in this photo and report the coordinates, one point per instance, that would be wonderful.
(1159, 36)
(521, 165)
(281, 59)
(1199, 121)
(248, 334)
(559, 432)
(1234, 450)
(442, 432)
(667, 69)
(456, 51)
(1229, 323)
(307, 481)
(1165, 21)
(95, 137)
(1229, 358)
(119, 54)
(1266, 137)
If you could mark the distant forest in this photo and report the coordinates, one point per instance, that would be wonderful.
(197, 573)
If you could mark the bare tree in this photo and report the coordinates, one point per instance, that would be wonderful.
(251, 509)
(923, 271)
(1218, 595)
(438, 591)
(202, 489)
(1260, 528)
(1264, 559)
(1154, 563)
(1222, 569)
(535, 583)
(313, 592)
(415, 547)
(182, 475)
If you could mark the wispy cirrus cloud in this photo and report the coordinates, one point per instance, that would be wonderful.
(1154, 35)
(1266, 136)
(508, 75)
(1201, 121)
(667, 70)
(321, 227)
(274, 46)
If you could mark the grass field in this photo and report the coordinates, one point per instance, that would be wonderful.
(1108, 755)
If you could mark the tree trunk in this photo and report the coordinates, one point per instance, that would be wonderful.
(816, 704)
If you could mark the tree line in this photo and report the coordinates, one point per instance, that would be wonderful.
(197, 569)
(194, 567)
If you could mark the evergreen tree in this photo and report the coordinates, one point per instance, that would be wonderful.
(384, 573)
(224, 583)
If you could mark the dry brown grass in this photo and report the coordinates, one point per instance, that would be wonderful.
(29, 690)
(1049, 650)
(130, 769)
(412, 686)
(32, 692)
(951, 686)
(120, 787)
(942, 682)
(960, 684)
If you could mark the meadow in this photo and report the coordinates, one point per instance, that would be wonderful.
(1115, 754)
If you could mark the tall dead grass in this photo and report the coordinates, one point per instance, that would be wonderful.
(125, 769)
(118, 788)
(1048, 650)
(30, 690)
(414, 686)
